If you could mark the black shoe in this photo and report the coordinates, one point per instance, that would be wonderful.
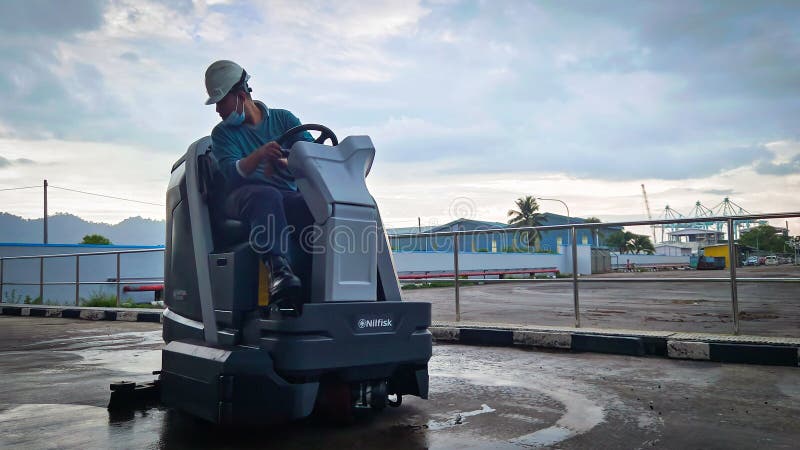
(284, 288)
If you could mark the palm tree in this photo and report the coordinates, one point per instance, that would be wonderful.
(641, 243)
(621, 241)
(526, 215)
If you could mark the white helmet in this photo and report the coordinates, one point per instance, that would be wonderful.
(221, 76)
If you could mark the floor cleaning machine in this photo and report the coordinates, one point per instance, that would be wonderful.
(233, 358)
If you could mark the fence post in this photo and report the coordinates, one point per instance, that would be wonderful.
(118, 275)
(1, 279)
(574, 239)
(455, 274)
(41, 279)
(732, 253)
(77, 280)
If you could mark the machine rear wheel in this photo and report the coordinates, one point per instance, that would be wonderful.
(398, 400)
(335, 403)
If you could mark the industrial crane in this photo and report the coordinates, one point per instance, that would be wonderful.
(649, 215)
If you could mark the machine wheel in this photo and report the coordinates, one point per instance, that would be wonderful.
(335, 403)
(395, 403)
(378, 397)
(123, 387)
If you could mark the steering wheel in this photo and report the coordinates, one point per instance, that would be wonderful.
(325, 133)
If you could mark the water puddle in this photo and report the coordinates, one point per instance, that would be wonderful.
(580, 416)
(458, 418)
(116, 340)
(133, 361)
(545, 437)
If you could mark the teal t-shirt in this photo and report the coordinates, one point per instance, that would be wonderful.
(232, 143)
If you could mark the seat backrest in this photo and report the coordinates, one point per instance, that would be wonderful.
(226, 232)
(209, 175)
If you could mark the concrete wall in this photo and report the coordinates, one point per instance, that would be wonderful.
(584, 259)
(620, 260)
(673, 250)
(92, 268)
(491, 243)
(468, 261)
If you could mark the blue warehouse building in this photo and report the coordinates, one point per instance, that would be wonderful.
(496, 242)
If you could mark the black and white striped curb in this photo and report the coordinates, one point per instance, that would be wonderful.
(694, 346)
(67, 312)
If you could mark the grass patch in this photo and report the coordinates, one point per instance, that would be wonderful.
(543, 276)
(14, 297)
(102, 300)
(438, 284)
(96, 299)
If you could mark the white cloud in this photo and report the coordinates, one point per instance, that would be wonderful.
(134, 19)
(572, 101)
(120, 171)
(406, 191)
(784, 151)
(351, 20)
(202, 4)
(339, 41)
(5, 130)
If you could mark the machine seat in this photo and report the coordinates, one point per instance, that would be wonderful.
(229, 232)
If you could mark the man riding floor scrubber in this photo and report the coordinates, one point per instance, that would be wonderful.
(233, 358)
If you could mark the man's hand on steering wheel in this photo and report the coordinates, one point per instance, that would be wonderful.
(273, 156)
(269, 151)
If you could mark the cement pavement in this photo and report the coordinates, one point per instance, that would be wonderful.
(56, 373)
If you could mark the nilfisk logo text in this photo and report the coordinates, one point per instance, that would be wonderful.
(374, 323)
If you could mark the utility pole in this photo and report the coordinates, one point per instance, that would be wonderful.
(45, 211)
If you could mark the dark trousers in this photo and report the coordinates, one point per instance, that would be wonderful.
(276, 217)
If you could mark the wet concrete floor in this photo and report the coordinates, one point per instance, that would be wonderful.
(55, 375)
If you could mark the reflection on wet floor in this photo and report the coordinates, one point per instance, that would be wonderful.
(111, 341)
(480, 398)
(465, 413)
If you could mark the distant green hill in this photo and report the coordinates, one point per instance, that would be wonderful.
(69, 229)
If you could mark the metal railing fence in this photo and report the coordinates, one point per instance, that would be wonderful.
(118, 281)
(731, 222)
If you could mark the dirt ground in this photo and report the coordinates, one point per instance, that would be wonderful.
(765, 308)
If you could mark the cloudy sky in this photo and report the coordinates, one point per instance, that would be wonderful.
(470, 104)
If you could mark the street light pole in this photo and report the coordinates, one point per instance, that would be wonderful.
(560, 201)
(569, 221)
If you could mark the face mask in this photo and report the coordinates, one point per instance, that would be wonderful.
(235, 118)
